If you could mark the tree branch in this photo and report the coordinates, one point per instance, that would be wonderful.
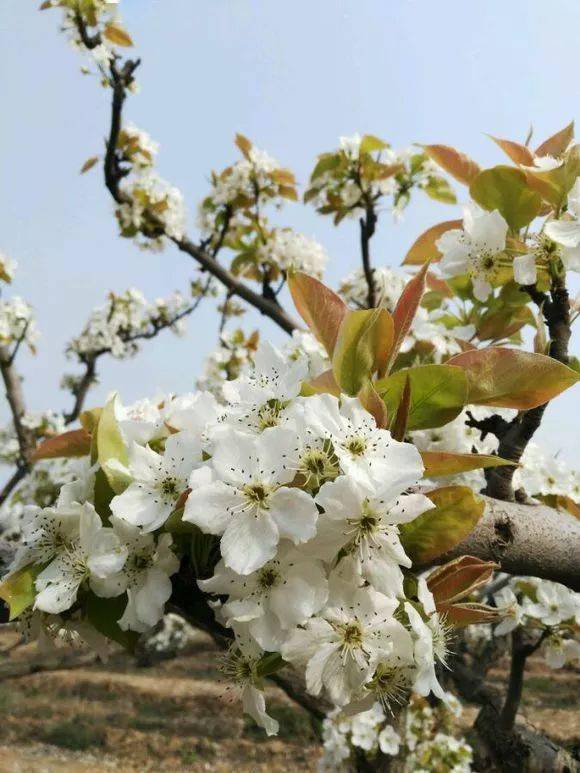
(532, 540)
(521, 651)
(367, 230)
(15, 397)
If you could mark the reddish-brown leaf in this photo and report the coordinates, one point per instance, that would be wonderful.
(518, 153)
(405, 311)
(424, 248)
(399, 426)
(321, 308)
(374, 405)
(459, 578)
(77, 442)
(440, 463)
(457, 164)
(557, 143)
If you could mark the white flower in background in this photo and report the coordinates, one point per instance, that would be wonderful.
(367, 454)
(427, 645)
(158, 481)
(141, 422)
(389, 741)
(362, 522)
(567, 232)
(101, 55)
(304, 346)
(560, 652)
(137, 145)
(555, 604)
(389, 284)
(342, 645)
(96, 553)
(476, 249)
(196, 413)
(543, 473)
(8, 268)
(17, 322)
(506, 600)
(287, 249)
(350, 145)
(240, 666)
(246, 499)
(281, 595)
(144, 576)
(151, 199)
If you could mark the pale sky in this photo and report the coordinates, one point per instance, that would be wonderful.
(292, 77)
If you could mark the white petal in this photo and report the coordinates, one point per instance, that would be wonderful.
(248, 542)
(141, 506)
(295, 514)
(525, 269)
(481, 288)
(254, 704)
(565, 232)
(212, 507)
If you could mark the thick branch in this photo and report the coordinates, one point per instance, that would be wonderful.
(532, 540)
(521, 651)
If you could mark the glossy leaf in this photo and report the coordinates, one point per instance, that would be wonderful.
(405, 311)
(456, 513)
(424, 248)
(519, 154)
(557, 143)
(457, 164)
(438, 394)
(371, 401)
(502, 324)
(459, 578)
(401, 420)
(75, 443)
(362, 347)
(509, 378)
(506, 189)
(111, 448)
(439, 463)
(321, 308)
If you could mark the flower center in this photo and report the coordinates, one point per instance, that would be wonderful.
(390, 684)
(269, 414)
(356, 445)
(256, 494)
(485, 264)
(169, 487)
(351, 635)
(268, 577)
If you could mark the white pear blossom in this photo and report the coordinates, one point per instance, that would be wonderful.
(567, 232)
(243, 495)
(555, 604)
(8, 267)
(362, 522)
(96, 553)
(476, 249)
(426, 641)
(144, 576)
(287, 249)
(507, 601)
(342, 646)
(159, 480)
(17, 322)
(282, 594)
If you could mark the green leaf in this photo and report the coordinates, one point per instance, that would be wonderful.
(89, 164)
(438, 188)
(362, 347)
(456, 513)
(111, 448)
(509, 378)
(18, 589)
(439, 463)
(438, 394)
(505, 188)
(327, 162)
(369, 143)
(104, 614)
(401, 420)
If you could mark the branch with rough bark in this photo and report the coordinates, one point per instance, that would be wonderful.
(533, 540)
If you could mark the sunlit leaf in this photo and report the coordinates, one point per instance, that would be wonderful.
(111, 448)
(405, 311)
(89, 164)
(520, 154)
(505, 188)
(439, 463)
(362, 347)
(438, 394)
(321, 308)
(456, 513)
(18, 590)
(371, 401)
(509, 378)
(369, 143)
(457, 164)
(117, 34)
(557, 143)
(243, 144)
(325, 383)
(438, 188)
(424, 248)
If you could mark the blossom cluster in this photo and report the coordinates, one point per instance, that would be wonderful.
(42, 424)
(7, 268)
(548, 608)
(364, 170)
(17, 322)
(302, 497)
(422, 733)
(118, 325)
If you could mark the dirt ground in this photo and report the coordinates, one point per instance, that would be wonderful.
(175, 717)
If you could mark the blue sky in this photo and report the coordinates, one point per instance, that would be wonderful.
(292, 77)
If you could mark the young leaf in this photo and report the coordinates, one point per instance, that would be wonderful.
(243, 144)
(519, 154)
(18, 589)
(89, 164)
(438, 189)
(369, 143)
(557, 143)
(509, 378)
(469, 613)
(424, 248)
(456, 513)
(111, 448)
(370, 400)
(459, 578)
(325, 383)
(457, 164)
(362, 347)
(77, 442)
(506, 189)
(439, 463)
(399, 425)
(117, 34)
(405, 311)
(321, 308)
